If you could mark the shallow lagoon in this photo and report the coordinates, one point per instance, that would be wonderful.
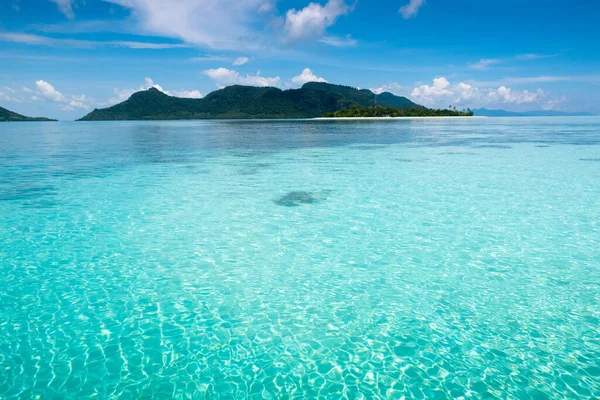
(267, 259)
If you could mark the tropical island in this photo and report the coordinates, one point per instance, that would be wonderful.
(312, 100)
(10, 116)
(392, 112)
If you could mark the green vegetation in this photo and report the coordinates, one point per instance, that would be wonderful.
(380, 111)
(9, 116)
(313, 100)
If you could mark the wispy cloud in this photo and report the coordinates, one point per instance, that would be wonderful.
(232, 24)
(40, 40)
(337, 41)
(240, 61)
(209, 57)
(593, 79)
(65, 7)
(545, 79)
(487, 63)
(534, 56)
(411, 9)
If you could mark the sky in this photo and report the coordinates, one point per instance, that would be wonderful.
(63, 58)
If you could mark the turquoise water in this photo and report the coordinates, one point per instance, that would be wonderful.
(394, 259)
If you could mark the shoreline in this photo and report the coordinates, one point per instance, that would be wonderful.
(394, 118)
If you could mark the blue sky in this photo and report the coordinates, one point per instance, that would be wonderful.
(63, 58)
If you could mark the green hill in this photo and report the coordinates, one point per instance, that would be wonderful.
(314, 99)
(9, 116)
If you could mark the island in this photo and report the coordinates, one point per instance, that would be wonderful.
(392, 112)
(10, 116)
(312, 100)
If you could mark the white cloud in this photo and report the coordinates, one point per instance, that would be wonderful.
(222, 75)
(534, 56)
(306, 76)
(240, 61)
(464, 91)
(312, 21)
(507, 95)
(39, 40)
(552, 104)
(485, 63)
(225, 77)
(6, 95)
(77, 102)
(209, 57)
(442, 92)
(188, 94)
(65, 7)
(26, 89)
(266, 7)
(336, 41)
(428, 94)
(394, 88)
(221, 24)
(48, 91)
(411, 9)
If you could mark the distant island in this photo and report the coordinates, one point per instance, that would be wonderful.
(9, 116)
(484, 112)
(313, 100)
(392, 112)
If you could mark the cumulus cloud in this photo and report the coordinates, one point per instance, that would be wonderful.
(224, 24)
(225, 77)
(120, 95)
(76, 102)
(507, 95)
(65, 7)
(240, 61)
(411, 9)
(45, 90)
(48, 91)
(394, 88)
(442, 91)
(306, 76)
(428, 94)
(188, 94)
(312, 21)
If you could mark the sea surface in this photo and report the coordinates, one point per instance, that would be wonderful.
(400, 259)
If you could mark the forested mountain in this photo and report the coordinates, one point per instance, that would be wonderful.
(9, 116)
(314, 99)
